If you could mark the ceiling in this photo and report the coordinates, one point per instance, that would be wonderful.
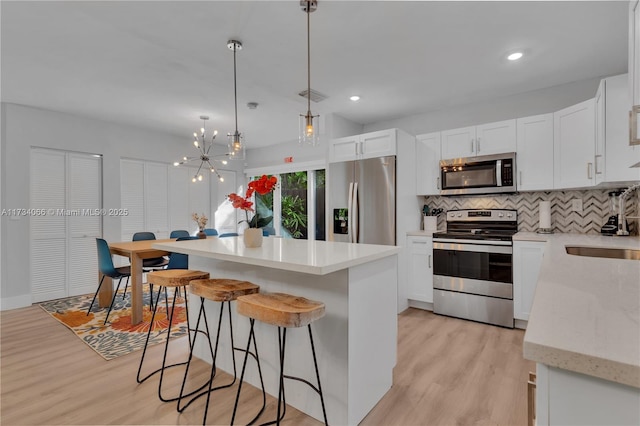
(162, 64)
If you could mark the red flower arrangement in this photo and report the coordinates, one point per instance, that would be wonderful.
(262, 186)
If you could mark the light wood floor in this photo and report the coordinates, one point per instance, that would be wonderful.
(449, 372)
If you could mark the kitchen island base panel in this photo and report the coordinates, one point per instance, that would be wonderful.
(356, 340)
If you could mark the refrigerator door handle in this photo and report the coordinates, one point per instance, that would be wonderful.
(350, 214)
(355, 236)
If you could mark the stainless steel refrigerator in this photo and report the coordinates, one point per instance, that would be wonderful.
(362, 201)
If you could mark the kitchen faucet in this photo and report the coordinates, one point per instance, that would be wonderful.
(622, 220)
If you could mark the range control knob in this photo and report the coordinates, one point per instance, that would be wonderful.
(459, 214)
(500, 214)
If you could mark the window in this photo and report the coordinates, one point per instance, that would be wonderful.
(291, 213)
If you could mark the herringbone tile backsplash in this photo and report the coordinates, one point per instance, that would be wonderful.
(595, 209)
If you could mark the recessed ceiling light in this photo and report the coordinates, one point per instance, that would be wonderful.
(514, 56)
(355, 98)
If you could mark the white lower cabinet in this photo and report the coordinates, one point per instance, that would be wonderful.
(567, 398)
(420, 268)
(527, 259)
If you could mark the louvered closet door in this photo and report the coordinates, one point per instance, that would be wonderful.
(132, 197)
(85, 184)
(179, 215)
(226, 216)
(49, 232)
(156, 199)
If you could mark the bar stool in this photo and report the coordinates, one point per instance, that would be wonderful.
(224, 291)
(168, 278)
(284, 311)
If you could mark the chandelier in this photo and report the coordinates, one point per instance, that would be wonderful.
(308, 132)
(205, 155)
(235, 146)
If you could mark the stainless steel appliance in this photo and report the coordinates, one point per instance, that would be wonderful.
(487, 174)
(473, 266)
(611, 227)
(362, 201)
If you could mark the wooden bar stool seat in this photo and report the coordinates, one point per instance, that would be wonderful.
(284, 311)
(176, 279)
(224, 291)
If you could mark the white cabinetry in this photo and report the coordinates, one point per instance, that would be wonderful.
(485, 139)
(574, 146)
(527, 259)
(428, 164)
(534, 153)
(367, 145)
(613, 153)
(420, 259)
(567, 398)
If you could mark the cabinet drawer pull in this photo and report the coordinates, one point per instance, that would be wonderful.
(477, 145)
(472, 140)
(438, 182)
(633, 125)
(520, 178)
(429, 261)
(419, 242)
(589, 170)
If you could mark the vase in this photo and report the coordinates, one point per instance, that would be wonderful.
(253, 237)
(201, 234)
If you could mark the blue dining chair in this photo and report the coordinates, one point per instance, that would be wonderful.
(105, 265)
(228, 234)
(210, 232)
(156, 262)
(179, 233)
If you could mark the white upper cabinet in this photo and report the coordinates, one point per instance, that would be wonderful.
(633, 156)
(496, 138)
(574, 146)
(534, 153)
(458, 143)
(485, 139)
(428, 164)
(367, 145)
(613, 153)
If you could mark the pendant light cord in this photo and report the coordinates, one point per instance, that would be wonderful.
(235, 88)
(308, 57)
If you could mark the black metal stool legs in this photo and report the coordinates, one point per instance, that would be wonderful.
(282, 403)
(166, 347)
(255, 355)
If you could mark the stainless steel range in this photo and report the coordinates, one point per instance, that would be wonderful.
(473, 267)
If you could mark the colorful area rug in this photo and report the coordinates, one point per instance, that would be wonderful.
(118, 337)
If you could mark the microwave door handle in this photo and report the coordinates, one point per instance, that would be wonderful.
(498, 172)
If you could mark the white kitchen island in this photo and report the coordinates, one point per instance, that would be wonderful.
(584, 333)
(355, 341)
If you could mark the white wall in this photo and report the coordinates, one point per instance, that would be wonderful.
(334, 126)
(23, 127)
(522, 105)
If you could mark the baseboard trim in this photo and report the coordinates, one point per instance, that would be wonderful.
(7, 303)
(421, 305)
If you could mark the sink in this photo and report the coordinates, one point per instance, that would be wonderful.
(608, 253)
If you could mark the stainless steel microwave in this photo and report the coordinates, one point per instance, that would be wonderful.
(488, 174)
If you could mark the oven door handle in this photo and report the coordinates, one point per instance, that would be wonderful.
(460, 245)
(474, 242)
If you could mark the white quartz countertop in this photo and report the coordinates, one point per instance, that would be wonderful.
(311, 257)
(586, 310)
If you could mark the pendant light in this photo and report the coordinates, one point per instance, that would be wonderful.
(205, 156)
(235, 145)
(309, 132)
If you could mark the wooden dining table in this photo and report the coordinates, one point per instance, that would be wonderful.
(136, 251)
